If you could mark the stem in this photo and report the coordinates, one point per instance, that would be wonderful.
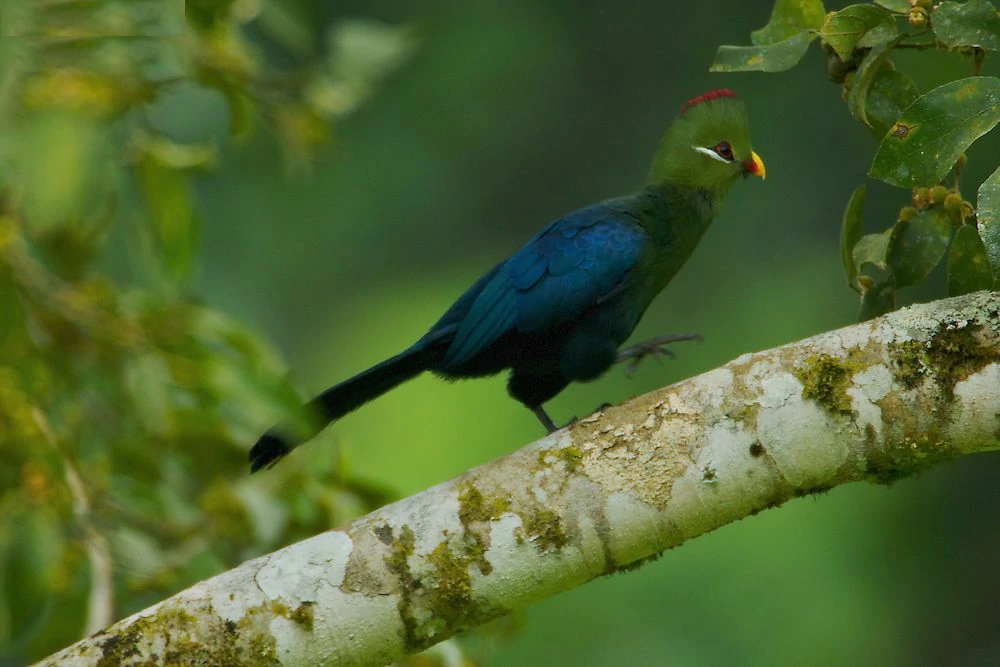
(100, 603)
(978, 58)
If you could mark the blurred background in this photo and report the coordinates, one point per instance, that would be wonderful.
(495, 118)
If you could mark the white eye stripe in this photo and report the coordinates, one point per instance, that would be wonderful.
(710, 153)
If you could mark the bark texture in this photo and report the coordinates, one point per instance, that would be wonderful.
(871, 402)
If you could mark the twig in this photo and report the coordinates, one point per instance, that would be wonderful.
(100, 603)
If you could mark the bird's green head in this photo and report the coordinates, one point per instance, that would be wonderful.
(708, 146)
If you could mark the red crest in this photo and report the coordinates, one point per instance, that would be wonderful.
(706, 97)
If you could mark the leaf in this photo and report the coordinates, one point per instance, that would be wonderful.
(988, 216)
(972, 23)
(176, 155)
(64, 167)
(789, 18)
(923, 145)
(11, 308)
(918, 245)
(870, 69)
(898, 6)
(173, 226)
(890, 93)
(242, 113)
(878, 300)
(858, 25)
(771, 58)
(872, 249)
(968, 265)
(850, 232)
(367, 49)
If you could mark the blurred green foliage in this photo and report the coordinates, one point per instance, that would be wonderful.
(508, 115)
(126, 405)
(923, 138)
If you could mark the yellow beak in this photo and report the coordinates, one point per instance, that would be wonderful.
(755, 165)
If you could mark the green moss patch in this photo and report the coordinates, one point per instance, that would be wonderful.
(184, 639)
(951, 355)
(434, 604)
(571, 456)
(398, 563)
(826, 379)
(545, 529)
(917, 452)
(473, 506)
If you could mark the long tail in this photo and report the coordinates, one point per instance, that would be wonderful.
(348, 396)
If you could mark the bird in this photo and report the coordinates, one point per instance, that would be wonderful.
(559, 309)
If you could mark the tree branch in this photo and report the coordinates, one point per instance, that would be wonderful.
(875, 401)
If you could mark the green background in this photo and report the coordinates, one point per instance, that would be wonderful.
(509, 115)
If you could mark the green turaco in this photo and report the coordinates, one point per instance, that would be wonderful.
(558, 310)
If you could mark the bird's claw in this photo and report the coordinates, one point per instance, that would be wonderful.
(654, 347)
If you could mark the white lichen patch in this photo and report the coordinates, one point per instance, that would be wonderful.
(435, 516)
(295, 576)
(634, 528)
(802, 441)
(523, 573)
(867, 387)
(725, 479)
(230, 594)
(777, 388)
(345, 628)
(976, 417)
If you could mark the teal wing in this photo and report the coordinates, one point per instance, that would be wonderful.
(573, 265)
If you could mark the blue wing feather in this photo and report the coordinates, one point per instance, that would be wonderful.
(566, 269)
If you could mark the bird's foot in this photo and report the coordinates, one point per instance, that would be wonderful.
(654, 347)
(550, 426)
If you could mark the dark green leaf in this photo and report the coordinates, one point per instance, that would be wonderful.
(858, 25)
(870, 69)
(877, 300)
(918, 245)
(850, 232)
(242, 113)
(923, 145)
(890, 93)
(789, 18)
(11, 309)
(968, 265)
(898, 6)
(771, 58)
(972, 23)
(871, 249)
(30, 562)
(988, 216)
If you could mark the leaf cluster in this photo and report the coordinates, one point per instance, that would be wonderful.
(126, 406)
(922, 136)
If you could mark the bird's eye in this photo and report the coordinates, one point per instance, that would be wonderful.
(724, 150)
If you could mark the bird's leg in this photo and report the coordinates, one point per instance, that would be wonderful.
(654, 347)
(543, 417)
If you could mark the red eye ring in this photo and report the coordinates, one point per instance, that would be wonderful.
(724, 150)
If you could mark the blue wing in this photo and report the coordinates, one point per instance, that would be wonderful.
(572, 265)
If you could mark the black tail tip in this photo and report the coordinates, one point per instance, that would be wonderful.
(267, 451)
